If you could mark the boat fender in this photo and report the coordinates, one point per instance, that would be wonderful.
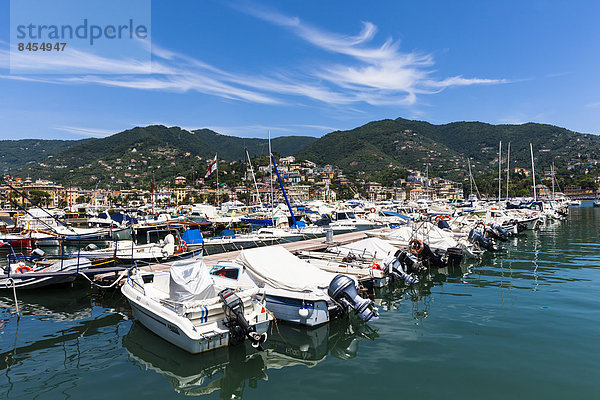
(303, 312)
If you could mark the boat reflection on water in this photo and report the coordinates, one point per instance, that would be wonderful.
(389, 298)
(297, 345)
(226, 369)
(229, 370)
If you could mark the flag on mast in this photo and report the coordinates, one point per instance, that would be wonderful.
(211, 167)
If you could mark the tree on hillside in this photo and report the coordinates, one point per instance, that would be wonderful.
(39, 197)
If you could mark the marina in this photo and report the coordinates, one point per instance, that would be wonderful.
(507, 315)
(299, 200)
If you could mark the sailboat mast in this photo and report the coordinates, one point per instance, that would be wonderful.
(533, 172)
(470, 177)
(427, 178)
(253, 178)
(552, 173)
(500, 171)
(217, 171)
(271, 170)
(152, 193)
(507, 170)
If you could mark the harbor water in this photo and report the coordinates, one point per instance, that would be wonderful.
(522, 323)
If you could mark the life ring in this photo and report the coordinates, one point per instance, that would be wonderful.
(372, 210)
(376, 266)
(438, 218)
(445, 217)
(23, 268)
(415, 246)
(182, 245)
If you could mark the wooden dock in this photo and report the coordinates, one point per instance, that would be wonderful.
(317, 244)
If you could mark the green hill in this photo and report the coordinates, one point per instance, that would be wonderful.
(378, 150)
(16, 154)
(404, 143)
(135, 155)
(232, 148)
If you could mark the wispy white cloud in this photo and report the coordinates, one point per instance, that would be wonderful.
(593, 105)
(376, 74)
(520, 118)
(92, 132)
(258, 130)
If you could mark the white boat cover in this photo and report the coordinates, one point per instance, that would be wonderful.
(190, 280)
(428, 233)
(280, 269)
(368, 248)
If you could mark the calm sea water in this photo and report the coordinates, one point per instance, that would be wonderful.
(524, 323)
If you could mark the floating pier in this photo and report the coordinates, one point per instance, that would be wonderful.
(317, 244)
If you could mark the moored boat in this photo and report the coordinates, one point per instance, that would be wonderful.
(183, 307)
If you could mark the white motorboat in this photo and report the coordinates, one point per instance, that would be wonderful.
(26, 276)
(183, 307)
(425, 232)
(127, 250)
(300, 292)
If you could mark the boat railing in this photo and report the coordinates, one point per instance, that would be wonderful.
(136, 285)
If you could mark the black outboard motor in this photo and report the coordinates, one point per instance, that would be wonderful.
(502, 232)
(239, 328)
(401, 267)
(409, 265)
(454, 256)
(477, 238)
(343, 290)
(430, 258)
(494, 231)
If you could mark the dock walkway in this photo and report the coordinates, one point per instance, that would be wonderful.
(293, 247)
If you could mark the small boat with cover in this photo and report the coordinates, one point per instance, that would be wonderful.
(182, 306)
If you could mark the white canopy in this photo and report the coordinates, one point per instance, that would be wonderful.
(280, 269)
(190, 280)
(367, 248)
(428, 233)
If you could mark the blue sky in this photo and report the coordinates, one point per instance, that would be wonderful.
(307, 68)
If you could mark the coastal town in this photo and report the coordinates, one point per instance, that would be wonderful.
(299, 200)
(303, 179)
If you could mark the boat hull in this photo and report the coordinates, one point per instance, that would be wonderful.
(288, 309)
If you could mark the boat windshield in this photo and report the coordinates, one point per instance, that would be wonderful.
(225, 271)
(345, 215)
